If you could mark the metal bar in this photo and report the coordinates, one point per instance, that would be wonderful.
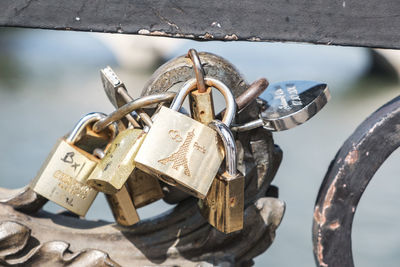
(348, 176)
(369, 23)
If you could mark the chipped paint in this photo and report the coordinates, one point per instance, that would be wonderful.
(320, 216)
(232, 37)
(206, 36)
(144, 32)
(216, 24)
(352, 157)
(254, 39)
(335, 225)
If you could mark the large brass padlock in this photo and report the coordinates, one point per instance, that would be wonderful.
(62, 177)
(188, 153)
(223, 207)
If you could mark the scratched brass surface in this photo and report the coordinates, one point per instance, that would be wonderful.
(223, 207)
(117, 165)
(62, 178)
(144, 188)
(122, 207)
(183, 152)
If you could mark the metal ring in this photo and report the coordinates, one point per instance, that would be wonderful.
(85, 121)
(229, 145)
(131, 106)
(198, 70)
(225, 91)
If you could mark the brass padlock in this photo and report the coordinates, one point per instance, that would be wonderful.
(187, 152)
(122, 207)
(121, 204)
(62, 177)
(143, 187)
(223, 207)
(117, 165)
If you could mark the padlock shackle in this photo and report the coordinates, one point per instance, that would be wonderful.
(131, 106)
(229, 145)
(220, 86)
(85, 121)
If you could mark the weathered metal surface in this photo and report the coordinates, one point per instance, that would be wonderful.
(179, 237)
(323, 22)
(348, 176)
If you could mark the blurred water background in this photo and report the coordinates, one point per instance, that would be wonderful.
(48, 79)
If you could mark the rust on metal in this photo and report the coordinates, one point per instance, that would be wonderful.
(345, 182)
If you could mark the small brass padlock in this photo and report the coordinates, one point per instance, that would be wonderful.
(188, 154)
(62, 177)
(223, 207)
(117, 165)
(142, 187)
(122, 207)
(121, 204)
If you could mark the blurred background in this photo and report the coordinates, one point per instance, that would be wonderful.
(49, 79)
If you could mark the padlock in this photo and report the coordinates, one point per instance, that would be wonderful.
(122, 207)
(223, 207)
(181, 151)
(62, 177)
(117, 165)
(143, 187)
(121, 204)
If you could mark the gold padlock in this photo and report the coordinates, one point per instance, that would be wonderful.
(223, 207)
(117, 165)
(142, 187)
(122, 207)
(187, 152)
(62, 177)
(121, 204)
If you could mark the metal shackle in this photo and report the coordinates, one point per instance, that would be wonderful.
(229, 145)
(89, 118)
(220, 86)
(131, 106)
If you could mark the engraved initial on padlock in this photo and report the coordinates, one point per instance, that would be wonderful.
(62, 178)
(182, 151)
(224, 204)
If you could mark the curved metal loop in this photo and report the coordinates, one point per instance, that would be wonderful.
(225, 91)
(229, 145)
(131, 106)
(89, 118)
(198, 70)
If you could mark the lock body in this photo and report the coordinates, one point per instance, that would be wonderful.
(114, 169)
(144, 188)
(122, 207)
(223, 207)
(63, 176)
(189, 153)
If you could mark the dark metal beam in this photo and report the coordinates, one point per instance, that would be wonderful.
(370, 23)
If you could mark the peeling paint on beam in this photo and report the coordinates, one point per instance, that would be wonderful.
(319, 22)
